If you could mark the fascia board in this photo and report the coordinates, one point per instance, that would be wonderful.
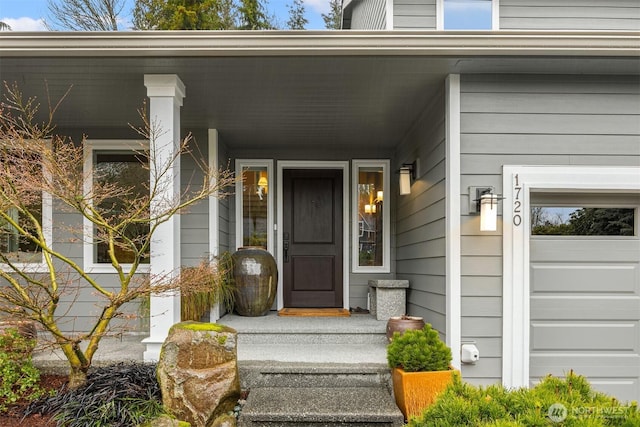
(314, 43)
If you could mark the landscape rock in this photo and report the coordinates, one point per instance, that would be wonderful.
(198, 372)
(225, 421)
(165, 421)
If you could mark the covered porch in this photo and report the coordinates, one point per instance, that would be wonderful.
(304, 98)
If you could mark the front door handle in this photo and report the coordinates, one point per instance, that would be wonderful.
(285, 246)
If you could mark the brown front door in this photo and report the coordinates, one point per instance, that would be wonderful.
(312, 237)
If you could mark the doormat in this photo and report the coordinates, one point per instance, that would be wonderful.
(314, 312)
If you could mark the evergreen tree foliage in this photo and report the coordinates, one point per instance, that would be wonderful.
(297, 21)
(333, 19)
(184, 15)
(253, 16)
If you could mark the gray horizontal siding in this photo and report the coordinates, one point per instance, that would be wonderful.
(369, 15)
(612, 15)
(194, 222)
(414, 15)
(420, 225)
(529, 120)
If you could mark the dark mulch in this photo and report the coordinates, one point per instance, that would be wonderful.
(15, 416)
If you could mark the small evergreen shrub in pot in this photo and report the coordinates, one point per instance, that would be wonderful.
(421, 370)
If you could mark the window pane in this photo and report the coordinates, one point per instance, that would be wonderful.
(13, 244)
(370, 218)
(467, 14)
(126, 170)
(254, 206)
(579, 221)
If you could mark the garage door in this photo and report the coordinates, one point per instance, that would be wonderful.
(585, 290)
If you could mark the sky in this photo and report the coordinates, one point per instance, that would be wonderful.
(29, 15)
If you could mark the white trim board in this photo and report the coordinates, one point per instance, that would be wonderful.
(305, 164)
(214, 213)
(452, 219)
(518, 182)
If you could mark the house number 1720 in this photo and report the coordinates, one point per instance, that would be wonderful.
(517, 204)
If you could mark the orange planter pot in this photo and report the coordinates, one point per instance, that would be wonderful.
(414, 391)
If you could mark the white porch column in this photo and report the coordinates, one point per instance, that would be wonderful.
(165, 92)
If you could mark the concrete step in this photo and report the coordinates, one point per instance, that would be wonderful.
(356, 339)
(269, 374)
(320, 406)
(248, 338)
(312, 394)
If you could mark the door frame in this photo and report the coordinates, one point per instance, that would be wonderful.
(309, 164)
(515, 243)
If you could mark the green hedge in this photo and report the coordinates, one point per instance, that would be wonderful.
(566, 402)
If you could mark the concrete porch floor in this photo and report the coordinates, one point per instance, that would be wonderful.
(358, 339)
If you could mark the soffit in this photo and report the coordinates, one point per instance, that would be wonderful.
(289, 93)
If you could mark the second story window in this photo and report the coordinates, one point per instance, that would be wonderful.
(467, 14)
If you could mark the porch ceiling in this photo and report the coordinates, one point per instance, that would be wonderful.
(305, 95)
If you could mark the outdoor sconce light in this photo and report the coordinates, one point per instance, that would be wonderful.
(379, 197)
(485, 204)
(370, 209)
(408, 172)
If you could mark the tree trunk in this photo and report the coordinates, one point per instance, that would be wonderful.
(77, 377)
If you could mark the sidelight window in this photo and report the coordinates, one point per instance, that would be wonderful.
(254, 196)
(371, 232)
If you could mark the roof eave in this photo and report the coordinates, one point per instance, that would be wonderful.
(307, 43)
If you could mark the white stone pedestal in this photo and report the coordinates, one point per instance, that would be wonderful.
(387, 298)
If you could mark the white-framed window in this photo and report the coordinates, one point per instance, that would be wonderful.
(254, 203)
(21, 252)
(370, 216)
(467, 14)
(121, 162)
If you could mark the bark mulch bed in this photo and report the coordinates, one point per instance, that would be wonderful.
(15, 415)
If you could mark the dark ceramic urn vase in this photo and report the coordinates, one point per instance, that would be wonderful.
(403, 323)
(256, 280)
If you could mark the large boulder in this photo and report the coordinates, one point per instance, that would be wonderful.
(198, 372)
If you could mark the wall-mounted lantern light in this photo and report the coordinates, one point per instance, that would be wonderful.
(408, 172)
(485, 204)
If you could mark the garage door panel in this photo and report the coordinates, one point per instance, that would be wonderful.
(601, 365)
(585, 303)
(586, 307)
(570, 336)
(585, 278)
(617, 376)
(584, 250)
